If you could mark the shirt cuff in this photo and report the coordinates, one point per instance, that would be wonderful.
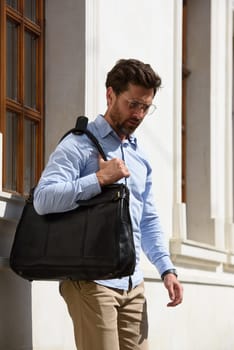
(88, 187)
(164, 264)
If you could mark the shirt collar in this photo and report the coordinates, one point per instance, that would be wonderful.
(105, 129)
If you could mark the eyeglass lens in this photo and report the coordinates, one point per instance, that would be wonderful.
(149, 109)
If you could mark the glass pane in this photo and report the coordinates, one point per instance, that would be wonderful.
(12, 3)
(30, 70)
(30, 9)
(30, 128)
(11, 150)
(11, 63)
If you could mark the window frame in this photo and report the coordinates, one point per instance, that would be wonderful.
(8, 104)
(185, 252)
(185, 73)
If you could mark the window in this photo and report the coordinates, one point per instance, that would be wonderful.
(21, 93)
(196, 120)
(203, 223)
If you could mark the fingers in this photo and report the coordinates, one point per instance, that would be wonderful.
(175, 290)
(100, 159)
(176, 298)
(111, 171)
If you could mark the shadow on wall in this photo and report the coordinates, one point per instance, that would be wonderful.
(15, 312)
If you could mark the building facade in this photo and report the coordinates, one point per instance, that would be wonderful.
(53, 63)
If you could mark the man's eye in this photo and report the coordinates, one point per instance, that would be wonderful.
(134, 104)
(138, 106)
(146, 107)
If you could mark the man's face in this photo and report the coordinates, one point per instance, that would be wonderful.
(127, 110)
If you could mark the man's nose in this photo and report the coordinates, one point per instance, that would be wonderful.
(139, 113)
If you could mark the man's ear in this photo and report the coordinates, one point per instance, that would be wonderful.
(110, 96)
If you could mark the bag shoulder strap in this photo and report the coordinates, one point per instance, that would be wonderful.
(81, 128)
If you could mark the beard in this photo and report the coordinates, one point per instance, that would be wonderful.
(122, 126)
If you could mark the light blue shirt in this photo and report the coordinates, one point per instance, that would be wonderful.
(70, 175)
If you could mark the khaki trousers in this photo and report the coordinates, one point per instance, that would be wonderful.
(106, 318)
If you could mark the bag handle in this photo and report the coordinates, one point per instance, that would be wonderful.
(81, 128)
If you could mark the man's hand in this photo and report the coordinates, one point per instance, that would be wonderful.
(175, 289)
(111, 171)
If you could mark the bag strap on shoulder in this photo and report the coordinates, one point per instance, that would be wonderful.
(81, 128)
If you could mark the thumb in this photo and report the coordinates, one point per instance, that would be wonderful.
(100, 160)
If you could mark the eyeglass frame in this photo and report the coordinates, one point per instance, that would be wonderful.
(134, 104)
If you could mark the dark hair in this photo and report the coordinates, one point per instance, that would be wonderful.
(132, 71)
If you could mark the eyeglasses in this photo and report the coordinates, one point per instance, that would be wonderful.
(139, 106)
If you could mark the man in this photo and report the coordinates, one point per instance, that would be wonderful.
(111, 314)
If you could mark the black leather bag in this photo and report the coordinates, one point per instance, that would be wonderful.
(93, 241)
